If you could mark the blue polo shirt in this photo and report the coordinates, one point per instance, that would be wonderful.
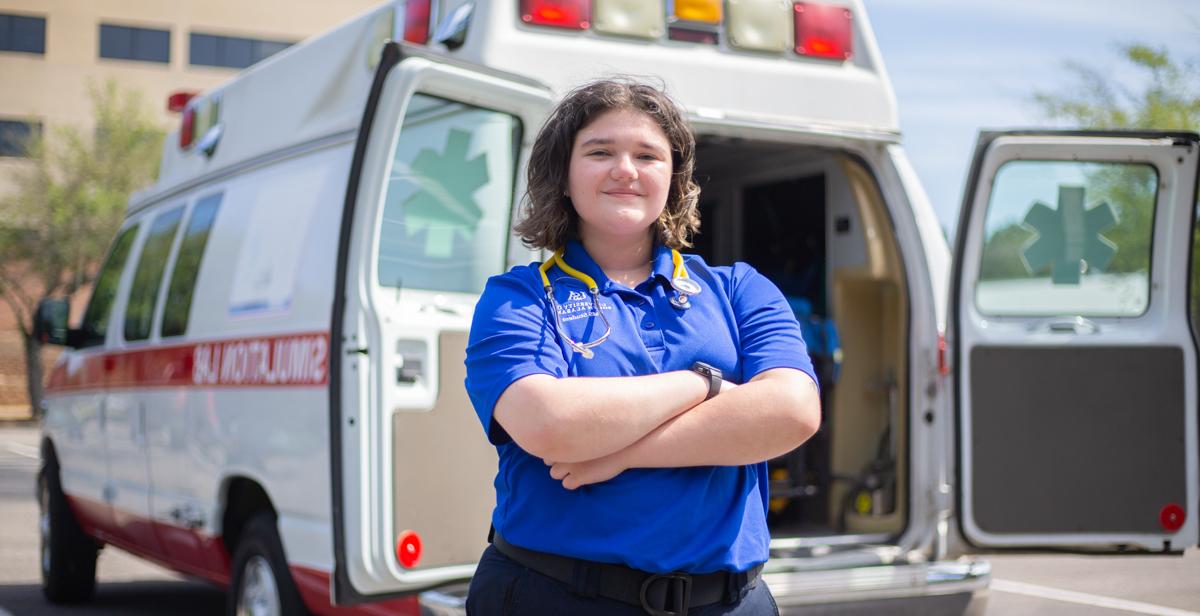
(696, 519)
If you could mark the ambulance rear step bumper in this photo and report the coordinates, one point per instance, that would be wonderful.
(825, 585)
(809, 587)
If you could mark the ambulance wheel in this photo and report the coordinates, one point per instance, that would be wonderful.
(262, 584)
(68, 554)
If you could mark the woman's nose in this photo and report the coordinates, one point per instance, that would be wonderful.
(623, 168)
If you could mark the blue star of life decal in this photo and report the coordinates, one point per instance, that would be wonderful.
(1068, 239)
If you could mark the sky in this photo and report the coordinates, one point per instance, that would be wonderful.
(958, 66)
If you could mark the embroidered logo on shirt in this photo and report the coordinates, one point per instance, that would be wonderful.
(578, 302)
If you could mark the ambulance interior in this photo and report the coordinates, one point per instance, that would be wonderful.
(814, 222)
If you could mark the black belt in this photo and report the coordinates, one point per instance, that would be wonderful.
(660, 594)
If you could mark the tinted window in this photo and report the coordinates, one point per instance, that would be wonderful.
(95, 318)
(230, 51)
(147, 278)
(22, 33)
(1068, 238)
(187, 266)
(126, 43)
(16, 137)
(448, 196)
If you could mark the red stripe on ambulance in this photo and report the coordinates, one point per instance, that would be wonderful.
(289, 360)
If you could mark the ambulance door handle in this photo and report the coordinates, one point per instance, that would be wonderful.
(1068, 325)
(410, 370)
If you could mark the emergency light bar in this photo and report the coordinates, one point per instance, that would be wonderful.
(823, 31)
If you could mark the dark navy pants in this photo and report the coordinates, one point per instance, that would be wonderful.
(503, 587)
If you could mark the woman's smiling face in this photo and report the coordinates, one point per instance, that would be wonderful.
(620, 174)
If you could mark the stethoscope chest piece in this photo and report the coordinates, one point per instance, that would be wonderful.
(680, 301)
(685, 286)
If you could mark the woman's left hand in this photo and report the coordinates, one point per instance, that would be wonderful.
(576, 474)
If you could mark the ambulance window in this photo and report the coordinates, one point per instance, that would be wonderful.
(1068, 238)
(95, 318)
(178, 305)
(139, 312)
(448, 197)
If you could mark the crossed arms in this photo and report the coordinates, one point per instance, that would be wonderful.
(590, 429)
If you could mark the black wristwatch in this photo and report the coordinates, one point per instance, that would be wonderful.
(712, 374)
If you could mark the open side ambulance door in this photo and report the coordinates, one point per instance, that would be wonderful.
(431, 196)
(1075, 362)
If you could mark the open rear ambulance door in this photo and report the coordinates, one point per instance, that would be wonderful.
(1075, 362)
(429, 207)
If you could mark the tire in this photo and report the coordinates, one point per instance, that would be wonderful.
(262, 585)
(68, 555)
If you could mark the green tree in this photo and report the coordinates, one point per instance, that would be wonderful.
(1167, 98)
(67, 204)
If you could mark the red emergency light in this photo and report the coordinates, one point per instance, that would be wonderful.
(178, 100)
(187, 128)
(416, 21)
(569, 14)
(824, 31)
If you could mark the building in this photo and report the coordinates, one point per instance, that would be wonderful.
(50, 50)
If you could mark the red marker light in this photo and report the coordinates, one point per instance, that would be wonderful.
(943, 364)
(1172, 517)
(408, 548)
(187, 128)
(824, 31)
(416, 21)
(178, 100)
(570, 14)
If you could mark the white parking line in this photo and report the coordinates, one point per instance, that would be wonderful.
(1082, 598)
(24, 451)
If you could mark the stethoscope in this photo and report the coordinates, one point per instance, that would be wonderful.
(683, 285)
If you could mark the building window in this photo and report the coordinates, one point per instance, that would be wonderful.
(126, 43)
(16, 136)
(230, 51)
(22, 33)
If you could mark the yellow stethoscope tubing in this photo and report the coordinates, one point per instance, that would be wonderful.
(585, 348)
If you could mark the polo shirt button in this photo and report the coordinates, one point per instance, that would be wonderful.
(648, 325)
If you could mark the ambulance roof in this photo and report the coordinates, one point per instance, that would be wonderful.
(317, 90)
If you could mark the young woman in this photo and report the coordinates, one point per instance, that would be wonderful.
(632, 474)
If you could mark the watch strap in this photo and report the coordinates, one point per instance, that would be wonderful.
(712, 374)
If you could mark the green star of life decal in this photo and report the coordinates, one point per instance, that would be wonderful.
(1068, 239)
(444, 204)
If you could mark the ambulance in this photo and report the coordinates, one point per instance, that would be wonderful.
(266, 388)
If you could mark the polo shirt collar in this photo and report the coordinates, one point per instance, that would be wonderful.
(577, 257)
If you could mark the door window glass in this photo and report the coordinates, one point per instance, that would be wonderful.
(147, 278)
(178, 306)
(95, 318)
(1068, 238)
(448, 196)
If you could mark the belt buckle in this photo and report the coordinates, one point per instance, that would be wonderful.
(680, 582)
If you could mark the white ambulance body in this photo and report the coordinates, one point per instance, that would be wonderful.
(266, 389)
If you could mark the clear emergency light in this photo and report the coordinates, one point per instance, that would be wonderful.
(822, 31)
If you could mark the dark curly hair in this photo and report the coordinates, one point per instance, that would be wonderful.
(549, 218)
